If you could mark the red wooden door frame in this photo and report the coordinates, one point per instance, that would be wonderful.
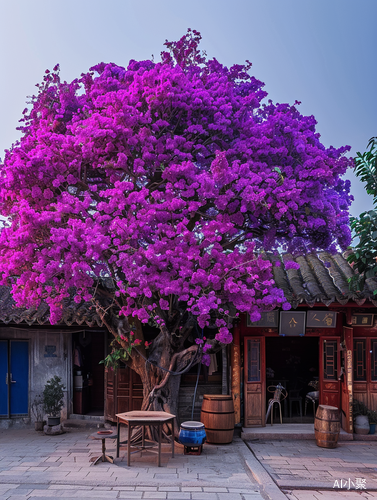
(255, 391)
(347, 380)
(329, 388)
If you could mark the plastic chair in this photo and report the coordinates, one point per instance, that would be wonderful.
(313, 397)
(280, 393)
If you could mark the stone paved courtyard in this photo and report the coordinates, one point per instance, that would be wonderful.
(34, 466)
(303, 463)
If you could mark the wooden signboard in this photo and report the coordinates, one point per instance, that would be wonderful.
(362, 319)
(321, 319)
(292, 323)
(268, 320)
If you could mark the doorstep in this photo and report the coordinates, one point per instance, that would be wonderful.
(289, 431)
(84, 422)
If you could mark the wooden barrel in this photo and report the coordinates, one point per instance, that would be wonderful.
(217, 416)
(327, 426)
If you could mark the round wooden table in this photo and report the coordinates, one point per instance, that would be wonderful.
(103, 435)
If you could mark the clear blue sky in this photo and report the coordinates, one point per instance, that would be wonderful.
(320, 52)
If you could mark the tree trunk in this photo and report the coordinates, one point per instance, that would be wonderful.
(160, 367)
(161, 388)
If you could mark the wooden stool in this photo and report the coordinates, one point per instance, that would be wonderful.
(103, 435)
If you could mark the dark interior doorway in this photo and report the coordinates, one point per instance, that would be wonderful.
(294, 363)
(88, 374)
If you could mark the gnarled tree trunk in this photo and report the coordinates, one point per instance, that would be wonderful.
(160, 368)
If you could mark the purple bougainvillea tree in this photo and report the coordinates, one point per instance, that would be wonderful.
(165, 181)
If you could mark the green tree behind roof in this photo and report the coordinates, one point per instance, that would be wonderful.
(364, 255)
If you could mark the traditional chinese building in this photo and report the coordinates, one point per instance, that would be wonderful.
(326, 345)
(328, 339)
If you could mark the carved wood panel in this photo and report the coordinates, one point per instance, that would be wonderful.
(255, 381)
(329, 371)
(330, 386)
(124, 392)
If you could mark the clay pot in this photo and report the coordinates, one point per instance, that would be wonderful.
(38, 425)
(361, 424)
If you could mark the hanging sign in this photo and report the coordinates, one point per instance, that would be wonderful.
(321, 319)
(292, 323)
(268, 319)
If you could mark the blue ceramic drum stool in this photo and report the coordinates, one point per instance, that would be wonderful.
(192, 435)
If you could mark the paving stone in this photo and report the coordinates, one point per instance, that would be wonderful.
(168, 488)
(179, 495)
(95, 493)
(130, 494)
(230, 496)
(204, 496)
(239, 490)
(155, 494)
(16, 497)
(162, 477)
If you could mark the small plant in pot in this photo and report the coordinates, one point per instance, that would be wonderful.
(38, 412)
(372, 416)
(360, 416)
(53, 397)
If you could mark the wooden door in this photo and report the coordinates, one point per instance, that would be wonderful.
(372, 373)
(124, 392)
(347, 380)
(4, 379)
(365, 371)
(14, 374)
(329, 366)
(255, 381)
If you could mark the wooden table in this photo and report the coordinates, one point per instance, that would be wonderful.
(103, 435)
(143, 418)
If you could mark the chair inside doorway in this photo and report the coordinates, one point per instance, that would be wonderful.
(294, 363)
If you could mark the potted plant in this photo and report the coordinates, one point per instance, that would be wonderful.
(360, 416)
(372, 416)
(38, 413)
(53, 397)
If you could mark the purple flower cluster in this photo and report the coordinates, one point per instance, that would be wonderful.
(170, 178)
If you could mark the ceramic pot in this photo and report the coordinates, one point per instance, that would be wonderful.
(51, 421)
(372, 428)
(192, 433)
(361, 424)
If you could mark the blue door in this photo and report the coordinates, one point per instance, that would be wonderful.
(3, 378)
(14, 378)
(19, 382)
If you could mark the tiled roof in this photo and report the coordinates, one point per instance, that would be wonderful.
(74, 314)
(322, 278)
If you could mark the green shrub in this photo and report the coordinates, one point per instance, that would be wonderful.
(53, 396)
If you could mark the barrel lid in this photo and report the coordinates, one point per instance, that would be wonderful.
(327, 407)
(217, 397)
(192, 425)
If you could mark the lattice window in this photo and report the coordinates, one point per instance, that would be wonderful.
(373, 359)
(253, 361)
(359, 360)
(330, 359)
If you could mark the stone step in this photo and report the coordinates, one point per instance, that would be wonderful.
(285, 431)
(76, 416)
(80, 423)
